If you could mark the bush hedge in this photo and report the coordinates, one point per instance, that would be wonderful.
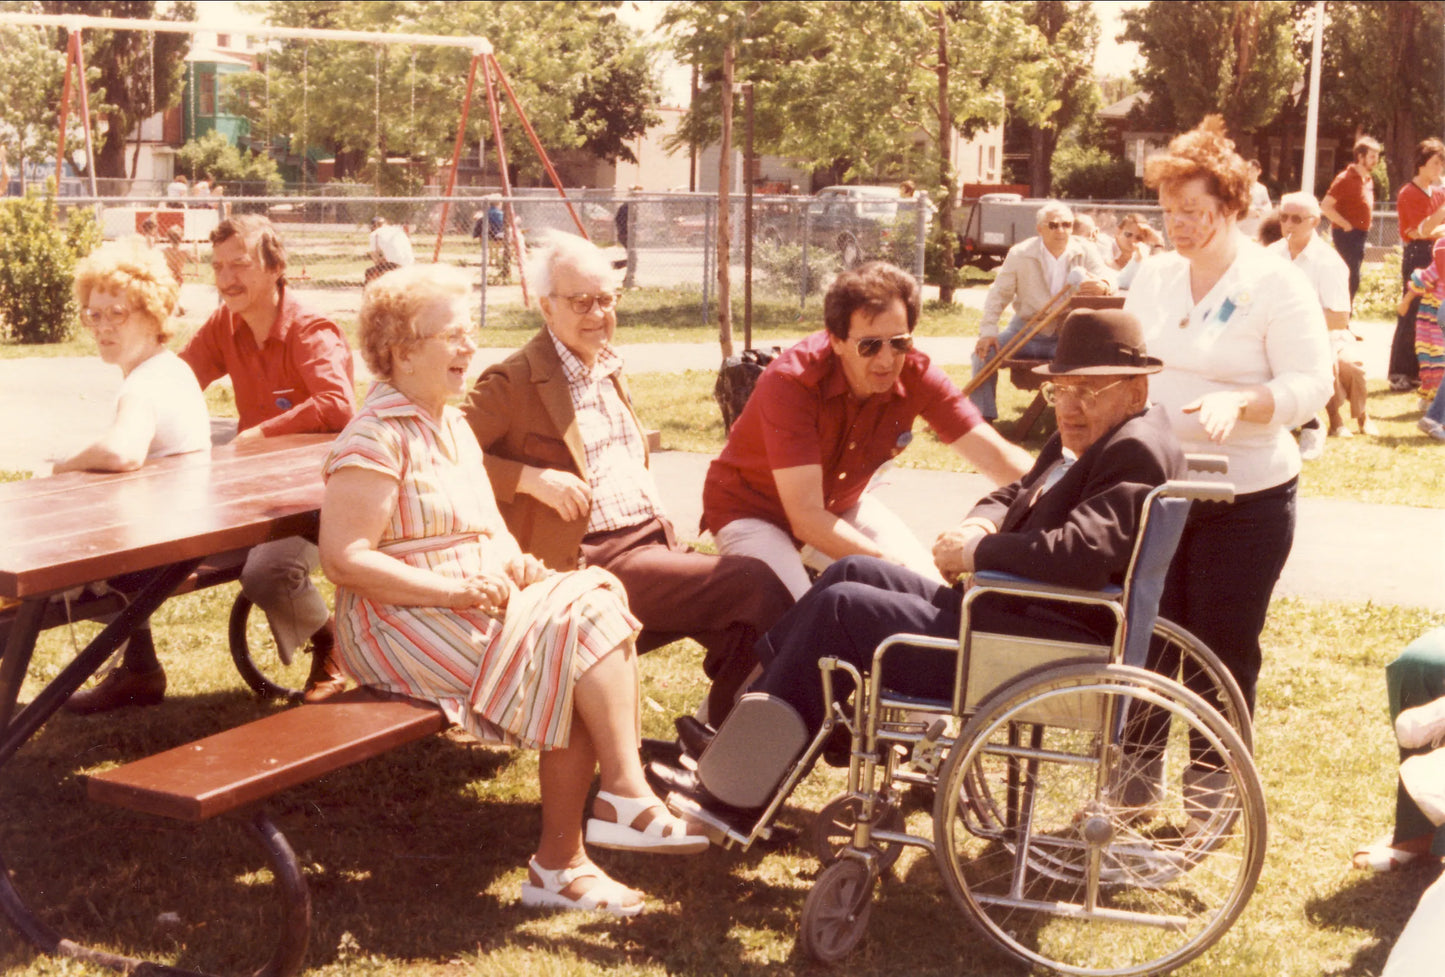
(38, 254)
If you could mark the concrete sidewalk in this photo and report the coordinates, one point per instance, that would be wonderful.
(1345, 551)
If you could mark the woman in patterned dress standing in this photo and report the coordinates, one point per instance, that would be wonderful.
(436, 601)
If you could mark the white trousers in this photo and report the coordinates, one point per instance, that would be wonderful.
(277, 579)
(774, 546)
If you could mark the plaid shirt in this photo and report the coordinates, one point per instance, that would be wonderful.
(623, 493)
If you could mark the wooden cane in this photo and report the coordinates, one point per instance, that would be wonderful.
(1042, 318)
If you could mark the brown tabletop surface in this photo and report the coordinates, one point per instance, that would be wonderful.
(77, 528)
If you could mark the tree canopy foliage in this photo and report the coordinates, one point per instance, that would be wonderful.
(1065, 91)
(130, 75)
(1235, 58)
(584, 80)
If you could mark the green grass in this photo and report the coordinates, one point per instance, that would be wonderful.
(415, 859)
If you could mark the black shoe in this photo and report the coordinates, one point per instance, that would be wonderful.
(693, 735)
(666, 780)
(838, 747)
(661, 751)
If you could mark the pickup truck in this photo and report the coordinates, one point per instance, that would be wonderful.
(857, 222)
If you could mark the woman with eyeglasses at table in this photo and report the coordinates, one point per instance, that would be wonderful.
(127, 295)
(436, 601)
(1246, 359)
(791, 485)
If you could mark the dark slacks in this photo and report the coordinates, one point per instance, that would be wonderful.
(1351, 246)
(1403, 361)
(1415, 678)
(722, 602)
(1223, 576)
(856, 603)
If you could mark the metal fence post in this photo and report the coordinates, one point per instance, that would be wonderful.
(486, 235)
(807, 274)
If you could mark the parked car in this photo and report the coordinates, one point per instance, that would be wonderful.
(858, 222)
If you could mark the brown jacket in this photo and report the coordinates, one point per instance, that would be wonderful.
(522, 414)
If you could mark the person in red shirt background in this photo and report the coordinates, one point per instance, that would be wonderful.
(1349, 205)
(292, 373)
(1421, 210)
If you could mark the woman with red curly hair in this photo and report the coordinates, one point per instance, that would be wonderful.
(1246, 358)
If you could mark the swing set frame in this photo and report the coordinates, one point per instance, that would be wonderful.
(483, 58)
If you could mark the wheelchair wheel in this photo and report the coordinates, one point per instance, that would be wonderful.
(253, 649)
(1098, 855)
(1191, 661)
(835, 914)
(832, 829)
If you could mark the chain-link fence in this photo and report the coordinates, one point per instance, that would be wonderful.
(663, 241)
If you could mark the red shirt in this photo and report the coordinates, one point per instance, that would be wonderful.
(802, 412)
(1354, 197)
(1414, 205)
(299, 381)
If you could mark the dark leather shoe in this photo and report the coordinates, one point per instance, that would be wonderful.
(665, 780)
(121, 687)
(693, 734)
(661, 751)
(326, 679)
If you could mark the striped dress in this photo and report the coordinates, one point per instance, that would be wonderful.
(1429, 340)
(503, 681)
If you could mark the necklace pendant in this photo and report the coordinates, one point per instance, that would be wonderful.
(1184, 322)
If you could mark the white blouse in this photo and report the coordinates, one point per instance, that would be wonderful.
(1260, 324)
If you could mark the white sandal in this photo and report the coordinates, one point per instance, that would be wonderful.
(664, 834)
(549, 895)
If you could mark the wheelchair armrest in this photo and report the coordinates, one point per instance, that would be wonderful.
(1199, 491)
(998, 580)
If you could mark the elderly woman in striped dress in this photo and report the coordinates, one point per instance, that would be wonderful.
(436, 601)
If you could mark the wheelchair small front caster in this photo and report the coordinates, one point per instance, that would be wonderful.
(832, 830)
(835, 914)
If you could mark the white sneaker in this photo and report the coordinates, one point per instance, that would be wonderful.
(1422, 725)
(1311, 443)
(1340, 431)
(1432, 428)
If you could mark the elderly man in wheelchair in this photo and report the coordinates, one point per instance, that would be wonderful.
(1056, 776)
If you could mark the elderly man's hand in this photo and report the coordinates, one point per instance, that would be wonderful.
(1094, 286)
(953, 550)
(563, 491)
(985, 347)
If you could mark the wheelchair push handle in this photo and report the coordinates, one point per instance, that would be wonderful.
(1198, 491)
(1208, 464)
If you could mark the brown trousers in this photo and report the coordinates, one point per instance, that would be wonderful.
(725, 603)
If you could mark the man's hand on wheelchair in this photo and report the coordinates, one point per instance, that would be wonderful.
(953, 550)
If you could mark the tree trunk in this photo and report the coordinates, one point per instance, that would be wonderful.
(945, 162)
(724, 230)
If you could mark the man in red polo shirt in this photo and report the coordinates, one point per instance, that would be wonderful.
(1349, 206)
(824, 417)
(292, 373)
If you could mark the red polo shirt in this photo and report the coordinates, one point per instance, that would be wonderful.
(1354, 197)
(802, 412)
(1413, 205)
(299, 381)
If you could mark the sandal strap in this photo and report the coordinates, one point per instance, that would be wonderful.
(555, 880)
(629, 809)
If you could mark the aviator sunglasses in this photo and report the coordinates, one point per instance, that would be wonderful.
(871, 346)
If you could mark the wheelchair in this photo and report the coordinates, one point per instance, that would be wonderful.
(1091, 815)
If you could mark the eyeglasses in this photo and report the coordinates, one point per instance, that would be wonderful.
(583, 304)
(115, 316)
(1085, 397)
(1059, 225)
(455, 338)
(1129, 235)
(1293, 218)
(871, 346)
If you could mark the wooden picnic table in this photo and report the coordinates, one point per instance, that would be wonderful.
(157, 524)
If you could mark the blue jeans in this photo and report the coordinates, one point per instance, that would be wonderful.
(1436, 410)
(1038, 348)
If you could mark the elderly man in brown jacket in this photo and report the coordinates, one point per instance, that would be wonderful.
(569, 466)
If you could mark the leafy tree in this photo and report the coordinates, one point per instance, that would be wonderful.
(582, 77)
(30, 95)
(131, 75)
(1234, 57)
(214, 157)
(37, 266)
(1066, 91)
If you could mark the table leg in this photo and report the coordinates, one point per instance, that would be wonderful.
(19, 646)
(18, 730)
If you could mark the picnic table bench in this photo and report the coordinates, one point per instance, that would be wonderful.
(178, 524)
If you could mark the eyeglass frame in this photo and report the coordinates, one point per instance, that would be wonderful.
(902, 344)
(1059, 225)
(88, 317)
(604, 301)
(1086, 396)
(1295, 218)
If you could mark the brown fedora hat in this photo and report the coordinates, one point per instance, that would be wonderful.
(1100, 342)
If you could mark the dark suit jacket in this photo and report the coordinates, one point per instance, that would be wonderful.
(1080, 533)
(522, 414)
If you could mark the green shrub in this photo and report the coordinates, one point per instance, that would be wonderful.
(1084, 173)
(784, 272)
(1379, 293)
(37, 266)
(212, 156)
